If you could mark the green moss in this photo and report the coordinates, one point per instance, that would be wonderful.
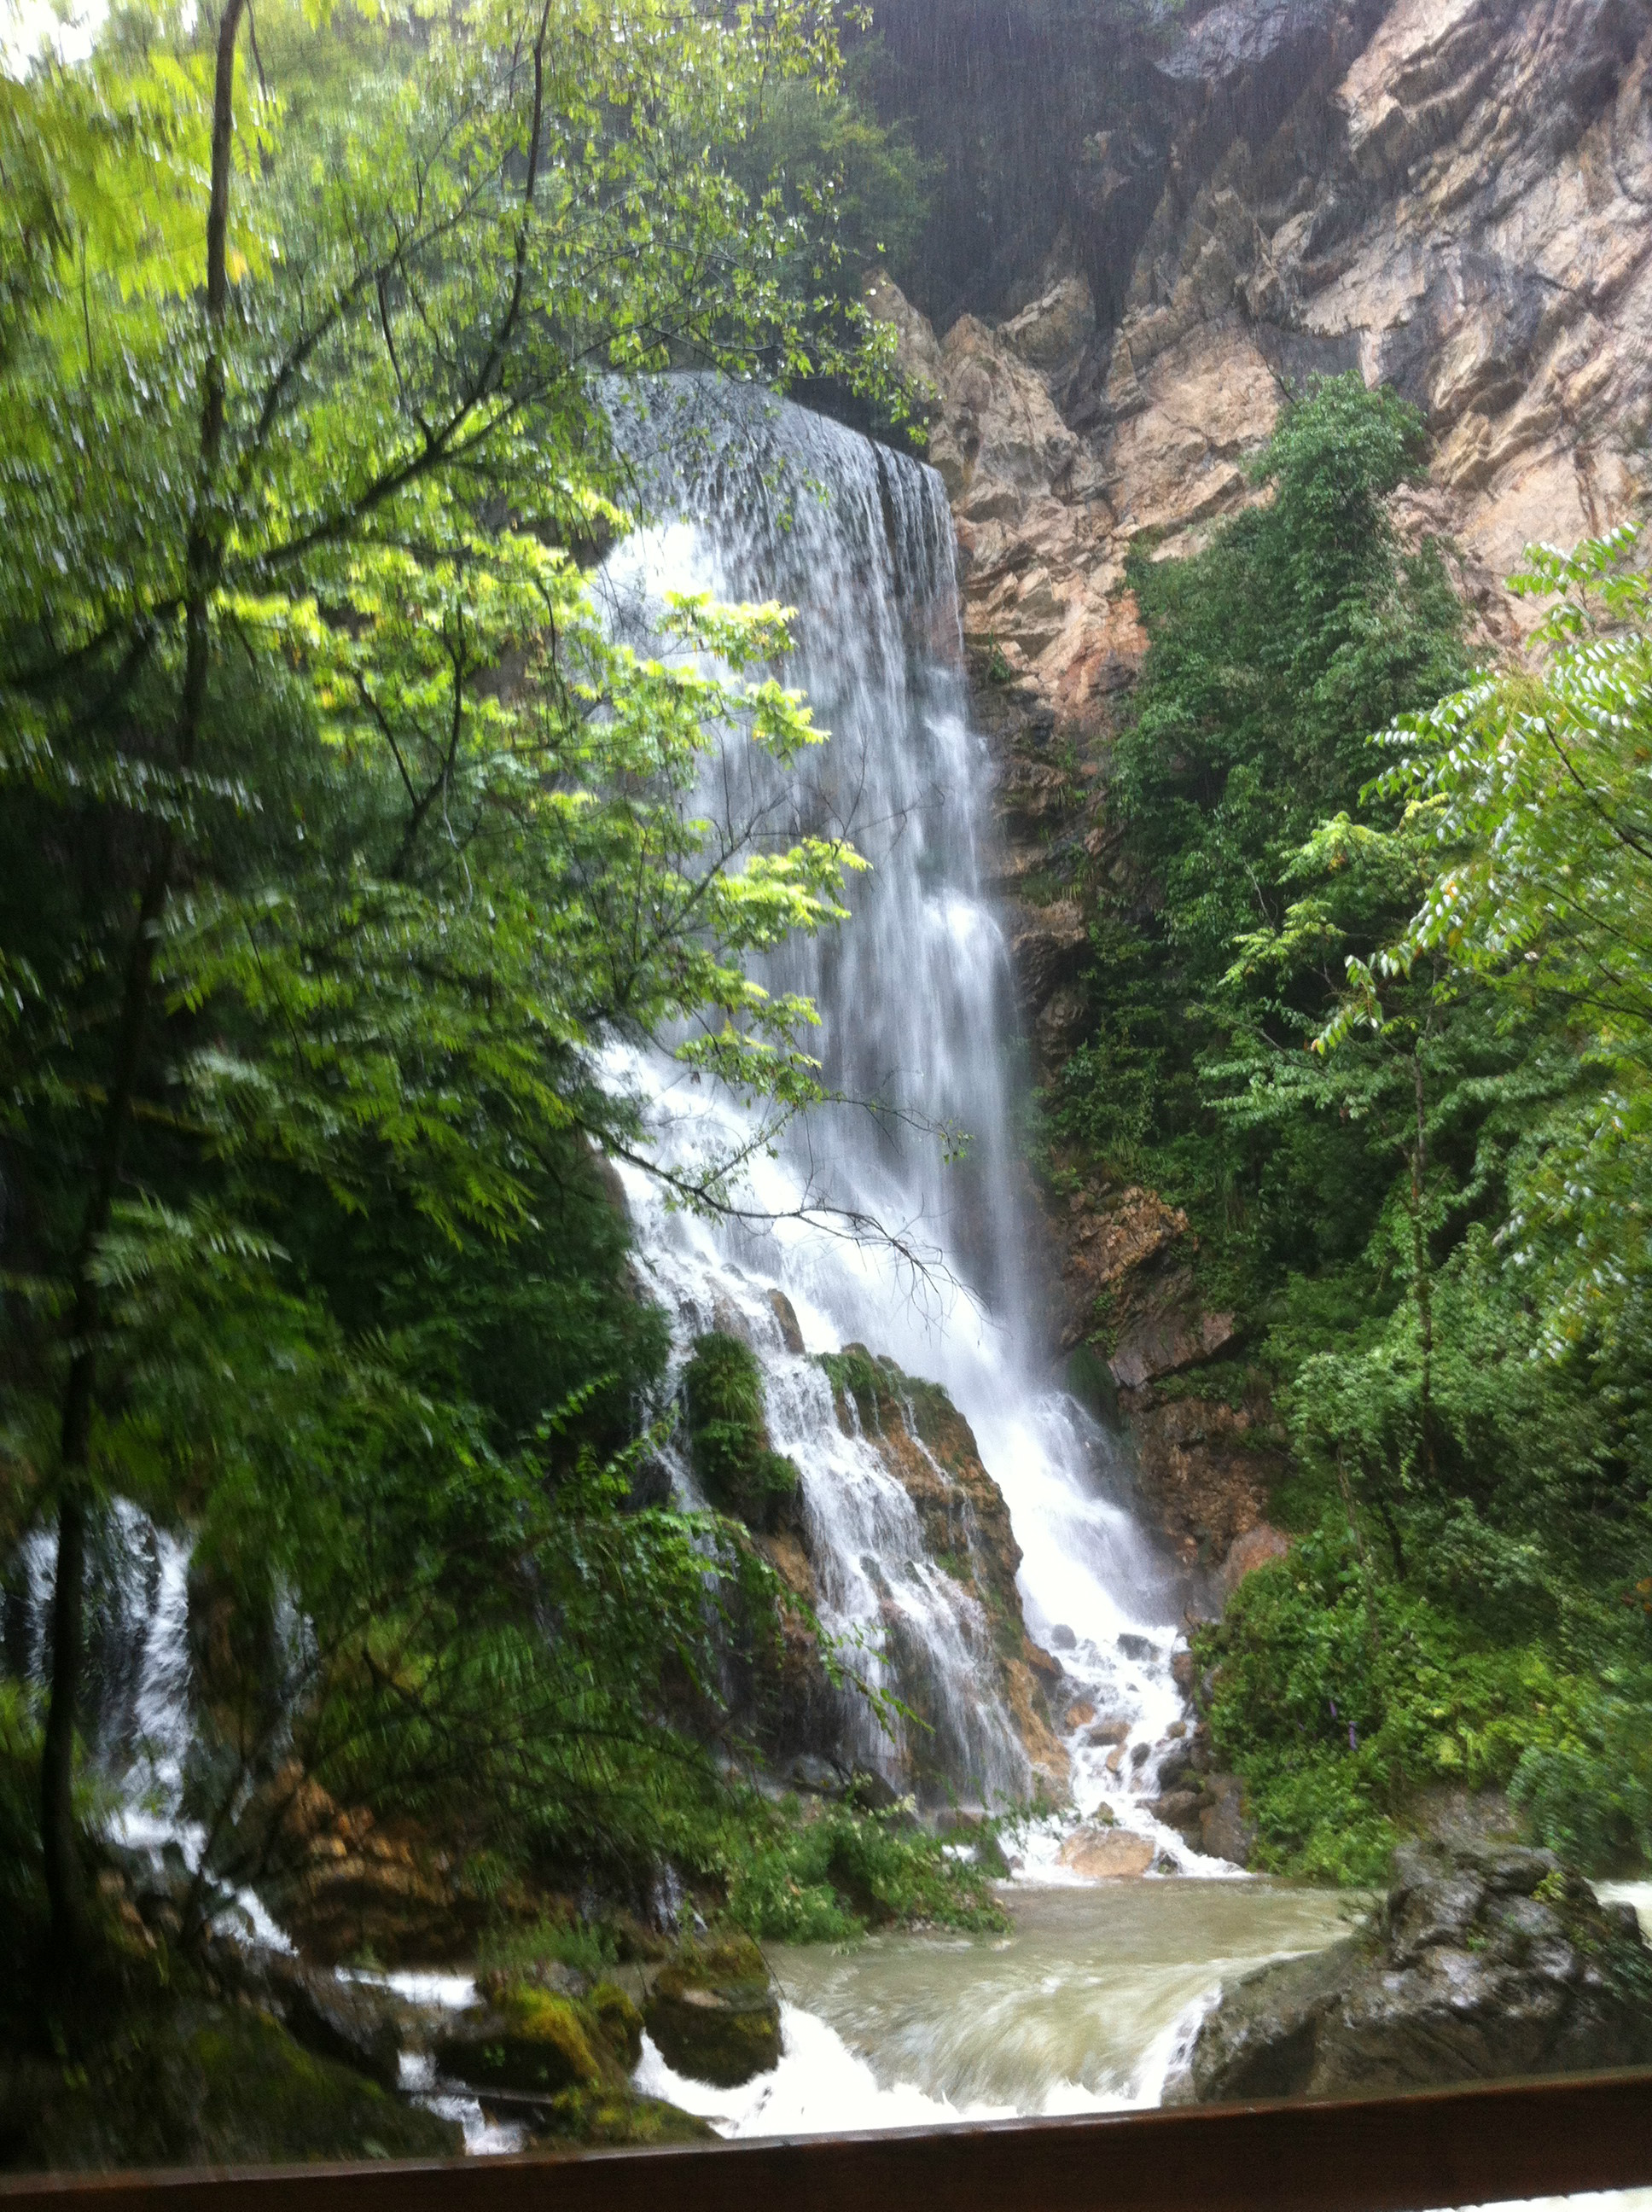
(620, 2117)
(727, 1956)
(727, 1437)
(714, 2013)
(855, 1378)
(536, 2040)
(202, 2084)
(618, 2023)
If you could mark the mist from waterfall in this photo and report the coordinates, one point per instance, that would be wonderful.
(765, 500)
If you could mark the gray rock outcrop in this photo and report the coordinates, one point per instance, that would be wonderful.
(1482, 1962)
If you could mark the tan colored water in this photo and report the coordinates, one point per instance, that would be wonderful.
(1083, 1997)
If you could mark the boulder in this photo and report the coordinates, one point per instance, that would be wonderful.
(535, 2042)
(714, 2013)
(194, 2082)
(1225, 1831)
(1483, 1962)
(619, 2024)
(354, 2022)
(1106, 1854)
(785, 1314)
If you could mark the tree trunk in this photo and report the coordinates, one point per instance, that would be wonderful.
(202, 558)
(1420, 1266)
(63, 1886)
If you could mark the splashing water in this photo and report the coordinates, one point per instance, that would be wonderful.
(137, 1712)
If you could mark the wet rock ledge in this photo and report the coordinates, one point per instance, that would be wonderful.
(1481, 1962)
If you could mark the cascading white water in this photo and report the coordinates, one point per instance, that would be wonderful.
(915, 994)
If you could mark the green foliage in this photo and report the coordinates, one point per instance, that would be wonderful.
(20, 1820)
(828, 1879)
(1382, 1038)
(1271, 655)
(340, 839)
(740, 1471)
(858, 184)
(586, 1945)
(1531, 792)
(1341, 1693)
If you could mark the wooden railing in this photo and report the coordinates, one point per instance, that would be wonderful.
(1410, 2153)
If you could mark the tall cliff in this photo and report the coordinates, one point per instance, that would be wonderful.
(1453, 196)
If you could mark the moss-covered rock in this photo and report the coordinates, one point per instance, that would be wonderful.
(535, 2041)
(619, 2023)
(715, 2013)
(202, 2084)
(618, 2116)
(728, 1439)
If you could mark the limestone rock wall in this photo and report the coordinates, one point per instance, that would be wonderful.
(1454, 196)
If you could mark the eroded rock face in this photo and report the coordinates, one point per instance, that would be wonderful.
(343, 1884)
(1454, 196)
(929, 1447)
(1483, 1961)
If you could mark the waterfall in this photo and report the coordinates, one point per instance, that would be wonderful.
(764, 501)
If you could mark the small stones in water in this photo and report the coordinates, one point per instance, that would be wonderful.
(1136, 1647)
(1111, 1730)
(1106, 1854)
(1115, 1759)
(1176, 1730)
(1139, 1754)
(1080, 1714)
(1062, 1638)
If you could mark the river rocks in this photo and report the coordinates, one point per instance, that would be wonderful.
(1106, 1854)
(535, 2041)
(714, 2013)
(1208, 1811)
(1482, 1961)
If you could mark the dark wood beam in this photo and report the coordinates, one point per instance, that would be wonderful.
(1410, 2154)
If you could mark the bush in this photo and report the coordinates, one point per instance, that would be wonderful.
(826, 1880)
(728, 1440)
(1339, 1697)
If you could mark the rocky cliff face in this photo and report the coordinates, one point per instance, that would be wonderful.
(1452, 196)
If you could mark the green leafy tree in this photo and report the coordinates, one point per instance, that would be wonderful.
(1271, 655)
(340, 837)
(1535, 789)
